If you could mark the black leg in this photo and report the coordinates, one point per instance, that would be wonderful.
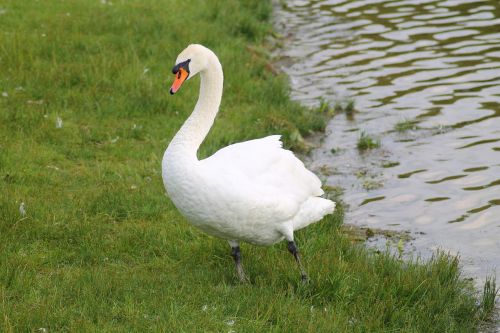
(292, 248)
(236, 254)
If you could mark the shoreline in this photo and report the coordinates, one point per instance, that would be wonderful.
(399, 241)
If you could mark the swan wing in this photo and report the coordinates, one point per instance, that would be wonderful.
(264, 176)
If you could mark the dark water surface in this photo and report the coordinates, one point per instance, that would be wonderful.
(435, 64)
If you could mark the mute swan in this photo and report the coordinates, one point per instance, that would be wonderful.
(252, 191)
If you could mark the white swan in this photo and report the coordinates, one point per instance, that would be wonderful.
(252, 191)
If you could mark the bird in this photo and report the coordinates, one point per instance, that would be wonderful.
(253, 191)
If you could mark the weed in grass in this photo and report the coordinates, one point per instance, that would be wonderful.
(488, 299)
(346, 106)
(325, 107)
(349, 106)
(366, 142)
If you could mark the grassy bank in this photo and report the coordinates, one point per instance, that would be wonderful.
(85, 116)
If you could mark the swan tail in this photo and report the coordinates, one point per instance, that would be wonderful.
(311, 211)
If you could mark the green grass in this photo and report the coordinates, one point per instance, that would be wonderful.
(405, 125)
(102, 249)
(366, 142)
(325, 107)
(349, 107)
(490, 293)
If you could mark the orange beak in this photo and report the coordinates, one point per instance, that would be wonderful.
(180, 77)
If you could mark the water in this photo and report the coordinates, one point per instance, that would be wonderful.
(433, 63)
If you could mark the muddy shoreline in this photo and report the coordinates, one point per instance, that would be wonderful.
(420, 80)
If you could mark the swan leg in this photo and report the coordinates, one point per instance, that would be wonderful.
(292, 248)
(236, 254)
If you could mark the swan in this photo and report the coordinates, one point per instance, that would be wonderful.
(253, 191)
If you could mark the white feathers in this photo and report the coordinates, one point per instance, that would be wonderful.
(22, 210)
(59, 122)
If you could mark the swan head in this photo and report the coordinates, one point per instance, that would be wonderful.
(192, 60)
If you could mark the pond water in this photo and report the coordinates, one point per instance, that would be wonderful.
(425, 80)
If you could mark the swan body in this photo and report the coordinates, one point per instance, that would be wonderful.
(253, 191)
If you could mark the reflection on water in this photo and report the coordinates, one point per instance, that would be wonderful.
(432, 64)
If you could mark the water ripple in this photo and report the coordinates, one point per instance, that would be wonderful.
(430, 62)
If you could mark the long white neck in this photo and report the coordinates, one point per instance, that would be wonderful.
(188, 139)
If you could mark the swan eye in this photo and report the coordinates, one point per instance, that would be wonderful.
(184, 65)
